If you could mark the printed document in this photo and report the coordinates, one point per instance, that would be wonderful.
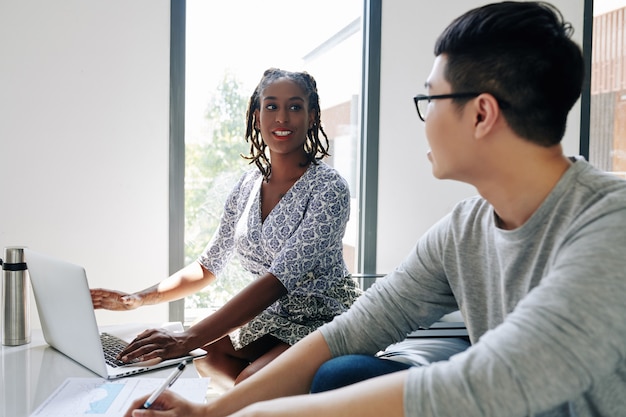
(99, 397)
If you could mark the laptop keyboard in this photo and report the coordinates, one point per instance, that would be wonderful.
(112, 346)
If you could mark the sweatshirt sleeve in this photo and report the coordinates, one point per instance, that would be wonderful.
(414, 295)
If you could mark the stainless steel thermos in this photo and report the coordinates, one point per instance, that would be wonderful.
(15, 298)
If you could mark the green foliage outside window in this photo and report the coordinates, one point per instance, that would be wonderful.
(212, 167)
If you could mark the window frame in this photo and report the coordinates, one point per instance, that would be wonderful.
(368, 158)
(177, 149)
(585, 99)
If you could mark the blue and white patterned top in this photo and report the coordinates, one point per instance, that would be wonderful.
(300, 242)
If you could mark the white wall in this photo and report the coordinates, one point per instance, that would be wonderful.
(410, 199)
(84, 105)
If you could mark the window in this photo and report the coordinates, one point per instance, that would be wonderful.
(228, 46)
(607, 127)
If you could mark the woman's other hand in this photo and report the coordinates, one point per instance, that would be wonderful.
(114, 300)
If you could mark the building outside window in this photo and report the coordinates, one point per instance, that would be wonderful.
(607, 145)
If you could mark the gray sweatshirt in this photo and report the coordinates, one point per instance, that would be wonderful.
(545, 307)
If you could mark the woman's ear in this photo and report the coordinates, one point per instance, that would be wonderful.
(312, 117)
(255, 118)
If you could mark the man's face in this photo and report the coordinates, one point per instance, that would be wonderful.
(446, 128)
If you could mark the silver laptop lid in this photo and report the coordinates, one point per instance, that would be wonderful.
(68, 320)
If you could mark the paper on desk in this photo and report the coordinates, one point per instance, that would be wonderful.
(89, 396)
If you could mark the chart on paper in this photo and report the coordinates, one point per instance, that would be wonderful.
(97, 397)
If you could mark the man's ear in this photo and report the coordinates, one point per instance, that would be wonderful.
(487, 112)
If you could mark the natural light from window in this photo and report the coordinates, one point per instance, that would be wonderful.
(228, 47)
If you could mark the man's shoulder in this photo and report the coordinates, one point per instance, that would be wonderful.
(597, 188)
(471, 207)
(467, 216)
(598, 180)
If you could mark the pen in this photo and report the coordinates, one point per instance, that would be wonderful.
(166, 384)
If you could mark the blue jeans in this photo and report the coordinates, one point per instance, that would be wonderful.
(349, 369)
(346, 370)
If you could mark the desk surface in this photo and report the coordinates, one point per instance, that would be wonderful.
(30, 374)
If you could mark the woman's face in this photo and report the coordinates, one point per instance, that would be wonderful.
(284, 117)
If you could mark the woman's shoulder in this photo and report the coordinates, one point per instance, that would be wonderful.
(248, 179)
(322, 173)
(245, 185)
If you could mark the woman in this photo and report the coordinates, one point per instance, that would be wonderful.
(285, 221)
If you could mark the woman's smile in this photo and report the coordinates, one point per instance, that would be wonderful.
(282, 134)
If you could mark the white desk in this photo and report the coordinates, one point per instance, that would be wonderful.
(31, 372)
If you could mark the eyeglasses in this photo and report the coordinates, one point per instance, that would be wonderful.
(422, 101)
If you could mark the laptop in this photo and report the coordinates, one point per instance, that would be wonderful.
(68, 320)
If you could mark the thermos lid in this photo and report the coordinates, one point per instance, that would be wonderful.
(13, 255)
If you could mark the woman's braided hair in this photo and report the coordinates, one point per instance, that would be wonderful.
(315, 149)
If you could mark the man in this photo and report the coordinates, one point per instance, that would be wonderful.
(536, 264)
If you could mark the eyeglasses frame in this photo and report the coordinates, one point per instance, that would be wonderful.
(421, 97)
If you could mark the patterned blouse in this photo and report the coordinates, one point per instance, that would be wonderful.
(299, 242)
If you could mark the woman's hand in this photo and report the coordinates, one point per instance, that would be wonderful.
(156, 343)
(167, 404)
(114, 300)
